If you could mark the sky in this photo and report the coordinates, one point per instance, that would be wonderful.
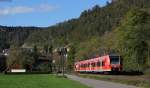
(42, 13)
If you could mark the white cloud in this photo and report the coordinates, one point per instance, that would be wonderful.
(15, 10)
(5, 0)
(46, 7)
(25, 9)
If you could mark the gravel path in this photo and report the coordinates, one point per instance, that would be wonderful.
(98, 83)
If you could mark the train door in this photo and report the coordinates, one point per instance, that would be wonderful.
(106, 64)
(99, 65)
(89, 67)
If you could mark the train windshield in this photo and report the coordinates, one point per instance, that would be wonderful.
(114, 60)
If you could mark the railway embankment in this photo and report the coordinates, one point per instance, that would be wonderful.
(93, 83)
(141, 81)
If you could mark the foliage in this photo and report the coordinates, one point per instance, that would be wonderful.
(14, 35)
(35, 53)
(44, 67)
(19, 58)
(112, 27)
(71, 58)
(93, 22)
(15, 58)
(88, 49)
(131, 39)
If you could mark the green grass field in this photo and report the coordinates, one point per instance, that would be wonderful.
(37, 81)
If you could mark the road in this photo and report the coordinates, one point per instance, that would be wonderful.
(98, 83)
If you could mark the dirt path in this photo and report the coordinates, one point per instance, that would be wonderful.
(98, 83)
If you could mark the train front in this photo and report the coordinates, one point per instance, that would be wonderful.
(115, 63)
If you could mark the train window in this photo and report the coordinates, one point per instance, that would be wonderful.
(81, 65)
(114, 60)
(98, 63)
(88, 64)
(93, 64)
(103, 63)
(85, 65)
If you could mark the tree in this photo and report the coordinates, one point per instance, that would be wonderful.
(15, 58)
(50, 51)
(20, 59)
(35, 53)
(71, 58)
(132, 38)
(28, 60)
(46, 49)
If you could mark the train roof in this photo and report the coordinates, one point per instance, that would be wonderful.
(92, 59)
(114, 55)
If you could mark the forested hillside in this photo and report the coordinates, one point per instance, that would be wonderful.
(132, 39)
(120, 27)
(90, 33)
(14, 35)
(92, 22)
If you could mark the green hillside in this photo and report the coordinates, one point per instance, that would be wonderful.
(93, 22)
(119, 27)
(101, 28)
(14, 36)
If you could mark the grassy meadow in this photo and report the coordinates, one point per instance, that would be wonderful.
(37, 81)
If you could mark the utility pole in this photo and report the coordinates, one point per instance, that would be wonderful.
(148, 57)
(62, 60)
(62, 52)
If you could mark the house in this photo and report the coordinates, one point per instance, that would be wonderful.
(5, 52)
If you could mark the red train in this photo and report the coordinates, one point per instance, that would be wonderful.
(105, 63)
